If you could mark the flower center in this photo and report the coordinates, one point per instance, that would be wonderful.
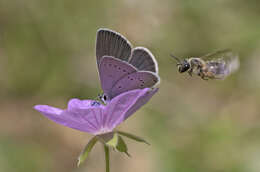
(103, 130)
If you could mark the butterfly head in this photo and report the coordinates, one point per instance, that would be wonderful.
(104, 98)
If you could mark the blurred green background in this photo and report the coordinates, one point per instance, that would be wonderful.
(47, 56)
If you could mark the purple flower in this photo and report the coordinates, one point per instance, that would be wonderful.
(127, 86)
(95, 118)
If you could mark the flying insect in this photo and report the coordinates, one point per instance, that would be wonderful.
(216, 65)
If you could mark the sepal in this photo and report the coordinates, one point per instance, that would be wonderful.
(84, 154)
(133, 137)
(121, 146)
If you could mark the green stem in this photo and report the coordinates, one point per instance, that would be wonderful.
(107, 157)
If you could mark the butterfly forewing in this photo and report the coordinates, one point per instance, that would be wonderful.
(143, 60)
(111, 70)
(110, 43)
(136, 80)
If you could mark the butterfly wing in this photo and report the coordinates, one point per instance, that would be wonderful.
(115, 65)
(143, 60)
(110, 43)
(136, 80)
(112, 70)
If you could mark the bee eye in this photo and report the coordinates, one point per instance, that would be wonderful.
(105, 97)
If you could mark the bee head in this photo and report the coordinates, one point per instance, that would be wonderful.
(183, 66)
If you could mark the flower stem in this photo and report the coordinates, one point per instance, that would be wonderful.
(107, 157)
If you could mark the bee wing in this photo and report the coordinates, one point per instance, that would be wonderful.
(218, 54)
(223, 67)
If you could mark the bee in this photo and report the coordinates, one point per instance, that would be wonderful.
(216, 65)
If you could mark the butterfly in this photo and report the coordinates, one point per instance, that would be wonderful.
(126, 75)
(123, 68)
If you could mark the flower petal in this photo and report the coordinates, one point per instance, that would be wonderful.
(124, 105)
(87, 119)
(80, 104)
(140, 102)
(50, 112)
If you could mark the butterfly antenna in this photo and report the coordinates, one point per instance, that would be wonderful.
(176, 58)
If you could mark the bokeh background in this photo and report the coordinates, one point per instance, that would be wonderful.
(47, 56)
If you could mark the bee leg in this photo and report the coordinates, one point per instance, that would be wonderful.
(190, 72)
(204, 78)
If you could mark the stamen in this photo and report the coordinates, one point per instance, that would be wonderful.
(95, 103)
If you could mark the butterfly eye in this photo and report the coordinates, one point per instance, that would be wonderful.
(105, 97)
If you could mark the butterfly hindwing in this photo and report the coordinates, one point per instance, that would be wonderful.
(136, 80)
(112, 70)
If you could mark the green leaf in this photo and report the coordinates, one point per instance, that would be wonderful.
(106, 148)
(113, 142)
(84, 154)
(121, 146)
(133, 137)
